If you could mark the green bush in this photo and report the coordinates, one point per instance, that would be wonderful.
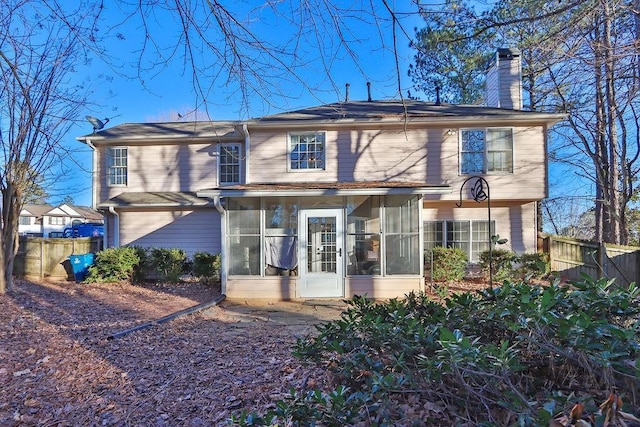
(206, 266)
(502, 263)
(113, 265)
(536, 265)
(510, 355)
(143, 268)
(168, 263)
(448, 263)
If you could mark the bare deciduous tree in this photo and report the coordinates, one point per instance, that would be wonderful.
(590, 72)
(38, 104)
(253, 49)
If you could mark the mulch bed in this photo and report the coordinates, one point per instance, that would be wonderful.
(59, 366)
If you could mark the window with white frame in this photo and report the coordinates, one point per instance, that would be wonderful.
(486, 150)
(117, 166)
(307, 150)
(472, 237)
(402, 234)
(56, 220)
(24, 220)
(229, 165)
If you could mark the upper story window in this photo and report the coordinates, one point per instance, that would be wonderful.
(117, 169)
(486, 150)
(307, 150)
(229, 165)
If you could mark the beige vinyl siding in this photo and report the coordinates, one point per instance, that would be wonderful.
(515, 222)
(191, 230)
(286, 288)
(169, 167)
(504, 84)
(363, 155)
(527, 182)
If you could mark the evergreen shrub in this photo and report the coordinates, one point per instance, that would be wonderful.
(449, 264)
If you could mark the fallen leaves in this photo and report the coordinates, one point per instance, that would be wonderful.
(58, 367)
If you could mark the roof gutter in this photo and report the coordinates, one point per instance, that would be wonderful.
(316, 192)
(520, 119)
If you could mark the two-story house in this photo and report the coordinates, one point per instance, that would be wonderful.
(334, 200)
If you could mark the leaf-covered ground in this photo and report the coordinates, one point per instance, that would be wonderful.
(58, 365)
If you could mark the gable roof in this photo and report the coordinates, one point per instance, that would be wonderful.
(35, 210)
(73, 211)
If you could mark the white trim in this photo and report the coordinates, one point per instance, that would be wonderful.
(240, 157)
(321, 284)
(485, 160)
(324, 148)
(126, 168)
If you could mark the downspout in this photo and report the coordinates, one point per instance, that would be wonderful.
(94, 160)
(116, 227)
(245, 132)
(224, 266)
(94, 191)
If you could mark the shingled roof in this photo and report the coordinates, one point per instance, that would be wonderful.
(337, 114)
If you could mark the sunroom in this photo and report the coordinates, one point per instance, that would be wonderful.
(322, 241)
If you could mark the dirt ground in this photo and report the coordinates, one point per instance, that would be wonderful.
(60, 365)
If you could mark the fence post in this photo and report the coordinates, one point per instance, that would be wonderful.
(42, 257)
(602, 259)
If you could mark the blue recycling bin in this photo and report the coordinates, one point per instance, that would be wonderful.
(80, 265)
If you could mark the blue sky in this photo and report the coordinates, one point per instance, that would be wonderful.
(130, 88)
(124, 92)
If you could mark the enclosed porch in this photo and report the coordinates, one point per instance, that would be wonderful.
(328, 243)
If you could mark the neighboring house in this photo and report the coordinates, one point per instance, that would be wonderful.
(50, 221)
(30, 220)
(329, 201)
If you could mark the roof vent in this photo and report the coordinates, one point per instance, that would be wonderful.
(369, 91)
(346, 96)
(438, 95)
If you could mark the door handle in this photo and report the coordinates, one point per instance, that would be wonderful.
(340, 252)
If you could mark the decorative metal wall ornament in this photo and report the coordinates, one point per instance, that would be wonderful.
(479, 194)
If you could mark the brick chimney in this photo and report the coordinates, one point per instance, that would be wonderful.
(503, 87)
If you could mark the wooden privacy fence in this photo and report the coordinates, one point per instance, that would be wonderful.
(49, 257)
(571, 258)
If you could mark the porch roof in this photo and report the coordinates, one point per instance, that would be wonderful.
(315, 189)
(155, 199)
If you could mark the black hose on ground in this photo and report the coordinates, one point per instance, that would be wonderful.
(172, 316)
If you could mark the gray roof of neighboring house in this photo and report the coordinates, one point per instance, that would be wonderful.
(87, 212)
(37, 210)
(338, 114)
(156, 199)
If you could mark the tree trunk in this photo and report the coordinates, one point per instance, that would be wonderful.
(11, 206)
